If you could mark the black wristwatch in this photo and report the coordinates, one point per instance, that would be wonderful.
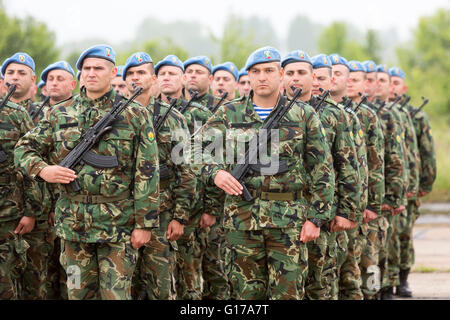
(317, 222)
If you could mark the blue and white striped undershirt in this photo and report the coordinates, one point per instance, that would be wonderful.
(262, 112)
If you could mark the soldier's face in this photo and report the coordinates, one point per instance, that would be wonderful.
(141, 76)
(120, 86)
(244, 86)
(265, 78)
(371, 85)
(340, 75)
(356, 84)
(22, 76)
(59, 85)
(298, 75)
(197, 78)
(223, 81)
(97, 74)
(321, 80)
(170, 80)
(397, 87)
(383, 86)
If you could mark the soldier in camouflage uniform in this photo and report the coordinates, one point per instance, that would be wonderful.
(406, 219)
(102, 226)
(349, 255)
(198, 77)
(243, 83)
(298, 72)
(19, 70)
(374, 138)
(20, 203)
(270, 233)
(225, 77)
(119, 85)
(59, 78)
(177, 183)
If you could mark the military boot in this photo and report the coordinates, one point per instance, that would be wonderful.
(403, 289)
(387, 293)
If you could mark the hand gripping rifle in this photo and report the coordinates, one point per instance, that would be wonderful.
(11, 91)
(81, 153)
(415, 112)
(243, 167)
(35, 113)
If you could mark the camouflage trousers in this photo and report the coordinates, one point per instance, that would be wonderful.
(13, 261)
(34, 277)
(56, 279)
(371, 244)
(349, 273)
(392, 276)
(334, 264)
(215, 279)
(383, 254)
(329, 274)
(154, 274)
(191, 248)
(315, 285)
(267, 264)
(98, 270)
(406, 224)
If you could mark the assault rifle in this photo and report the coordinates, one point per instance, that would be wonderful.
(184, 107)
(81, 153)
(244, 165)
(11, 91)
(214, 109)
(415, 112)
(35, 113)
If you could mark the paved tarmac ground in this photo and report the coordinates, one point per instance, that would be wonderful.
(430, 277)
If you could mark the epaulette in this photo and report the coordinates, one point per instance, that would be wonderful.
(198, 106)
(14, 106)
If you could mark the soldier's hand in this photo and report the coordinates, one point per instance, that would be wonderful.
(386, 207)
(369, 215)
(26, 225)
(174, 231)
(341, 224)
(207, 220)
(309, 232)
(225, 181)
(51, 219)
(410, 195)
(399, 210)
(140, 237)
(422, 194)
(57, 174)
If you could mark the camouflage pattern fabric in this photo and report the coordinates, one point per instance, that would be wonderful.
(349, 272)
(315, 284)
(98, 270)
(56, 276)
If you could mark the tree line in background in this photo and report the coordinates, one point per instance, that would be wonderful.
(425, 59)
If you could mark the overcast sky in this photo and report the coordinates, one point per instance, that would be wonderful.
(115, 20)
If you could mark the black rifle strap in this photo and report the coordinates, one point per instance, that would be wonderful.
(210, 102)
(157, 111)
(184, 103)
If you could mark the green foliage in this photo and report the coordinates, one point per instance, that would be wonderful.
(27, 35)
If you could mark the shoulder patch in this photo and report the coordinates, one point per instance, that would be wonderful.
(14, 106)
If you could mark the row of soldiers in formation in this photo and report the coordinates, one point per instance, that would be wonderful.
(334, 221)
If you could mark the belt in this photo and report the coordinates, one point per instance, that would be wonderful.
(285, 196)
(97, 199)
(164, 184)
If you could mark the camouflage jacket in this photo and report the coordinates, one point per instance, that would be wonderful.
(19, 195)
(301, 145)
(374, 138)
(394, 168)
(427, 169)
(361, 152)
(176, 200)
(345, 162)
(131, 139)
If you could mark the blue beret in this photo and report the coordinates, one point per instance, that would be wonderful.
(227, 66)
(296, 56)
(137, 59)
(370, 66)
(170, 60)
(21, 58)
(262, 55)
(41, 84)
(1, 73)
(60, 65)
(201, 60)
(119, 71)
(242, 72)
(321, 61)
(337, 59)
(101, 51)
(356, 66)
(382, 68)
(397, 72)
(78, 75)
